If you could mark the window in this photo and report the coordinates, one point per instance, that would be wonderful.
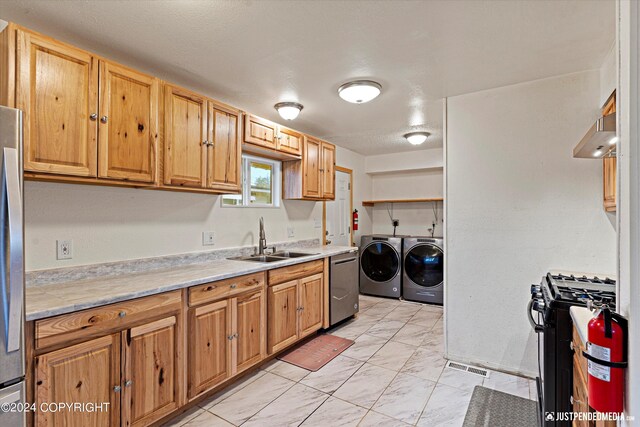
(260, 184)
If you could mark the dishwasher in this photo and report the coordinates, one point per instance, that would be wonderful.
(343, 287)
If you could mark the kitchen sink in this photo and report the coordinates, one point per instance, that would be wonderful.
(259, 258)
(287, 254)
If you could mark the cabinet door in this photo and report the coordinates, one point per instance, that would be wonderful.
(185, 149)
(250, 342)
(290, 141)
(310, 294)
(282, 315)
(609, 165)
(209, 346)
(225, 148)
(328, 171)
(311, 182)
(128, 124)
(260, 131)
(57, 91)
(151, 371)
(85, 373)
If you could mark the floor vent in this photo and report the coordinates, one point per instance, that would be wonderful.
(466, 368)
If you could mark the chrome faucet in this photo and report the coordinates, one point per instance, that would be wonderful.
(262, 243)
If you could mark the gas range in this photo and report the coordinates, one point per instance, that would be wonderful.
(548, 312)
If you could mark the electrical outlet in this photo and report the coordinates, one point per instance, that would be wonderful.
(207, 238)
(395, 222)
(317, 223)
(291, 232)
(64, 249)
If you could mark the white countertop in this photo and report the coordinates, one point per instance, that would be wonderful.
(581, 317)
(54, 299)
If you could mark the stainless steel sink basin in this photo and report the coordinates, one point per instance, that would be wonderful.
(288, 254)
(259, 258)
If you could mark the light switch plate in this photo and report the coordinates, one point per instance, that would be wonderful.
(64, 249)
(317, 223)
(291, 232)
(207, 238)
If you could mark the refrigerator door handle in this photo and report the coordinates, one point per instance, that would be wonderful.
(12, 212)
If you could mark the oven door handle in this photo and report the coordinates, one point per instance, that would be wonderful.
(536, 327)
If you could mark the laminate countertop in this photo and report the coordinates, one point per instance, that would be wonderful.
(53, 299)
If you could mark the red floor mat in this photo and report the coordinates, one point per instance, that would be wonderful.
(316, 353)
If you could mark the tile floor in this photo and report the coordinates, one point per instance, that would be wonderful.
(394, 375)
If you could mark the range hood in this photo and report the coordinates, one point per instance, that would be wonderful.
(599, 141)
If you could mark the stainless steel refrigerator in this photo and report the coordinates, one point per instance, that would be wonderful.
(12, 357)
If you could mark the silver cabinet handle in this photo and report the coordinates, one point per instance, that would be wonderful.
(117, 389)
(230, 337)
(104, 119)
(11, 213)
(128, 383)
(572, 400)
(93, 116)
(233, 286)
(205, 143)
(122, 314)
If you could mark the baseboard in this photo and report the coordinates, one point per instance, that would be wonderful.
(490, 365)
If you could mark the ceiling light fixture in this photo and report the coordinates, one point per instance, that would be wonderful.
(288, 110)
(613, 141)
(416, 138)
(359, 91)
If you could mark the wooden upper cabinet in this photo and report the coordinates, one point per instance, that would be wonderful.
(310, 301)
(185, 146)
(328, 171)
(290, 141)
(208, 345)
(128, 124)
(224, 149)
(57, 89)
(260, 131)
(311, 165)
(83, 373)
(609, 170)
(151, 372)
(250, 345)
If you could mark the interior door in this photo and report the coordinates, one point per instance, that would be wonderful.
(128, 124)
(338, 226)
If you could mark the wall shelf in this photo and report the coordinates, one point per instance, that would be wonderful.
(375, 202)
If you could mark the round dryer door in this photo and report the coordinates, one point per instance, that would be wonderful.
(380, 262)
(423, 264)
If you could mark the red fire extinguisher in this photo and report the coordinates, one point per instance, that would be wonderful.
(606, 356)
(355, 220)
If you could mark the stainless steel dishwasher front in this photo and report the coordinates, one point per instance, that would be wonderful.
(343, 287)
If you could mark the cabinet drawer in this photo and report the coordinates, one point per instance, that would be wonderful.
(88, 323)
(223, 288)
(297, 271)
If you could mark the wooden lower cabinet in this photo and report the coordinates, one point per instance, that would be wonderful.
(151, 371)
(209, 346)
(85, 373)
(225, 338)
(295, 310)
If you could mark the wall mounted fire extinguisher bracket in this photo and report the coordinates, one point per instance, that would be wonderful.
(622, 364)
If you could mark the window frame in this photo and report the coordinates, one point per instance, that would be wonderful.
(276, 183)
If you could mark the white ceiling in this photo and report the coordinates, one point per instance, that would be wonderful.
(252, 54)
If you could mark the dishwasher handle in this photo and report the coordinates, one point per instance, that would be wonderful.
(344, 261)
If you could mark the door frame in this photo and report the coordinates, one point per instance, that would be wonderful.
(324, 207)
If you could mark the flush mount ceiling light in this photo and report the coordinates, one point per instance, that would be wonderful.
(288, 110)
(416, 138)
(359, 91)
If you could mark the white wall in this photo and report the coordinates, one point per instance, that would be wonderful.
(405, 161)
(518, 205)
(608, 74)
(111, 224)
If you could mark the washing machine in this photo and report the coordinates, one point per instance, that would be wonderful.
(423, 269)
(381, 265)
